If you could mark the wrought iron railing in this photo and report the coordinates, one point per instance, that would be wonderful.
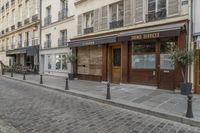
(27, 21)
(116, 24)
(88, 30)
(62, 42)
(153, 16)
(47, 44)
(63, 14)
(35, 17)
(47, 20)
(19, 45)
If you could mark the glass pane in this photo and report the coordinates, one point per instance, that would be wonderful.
(50, 61)
(161, 4)
(121, 11)
(143, 47)
(114, 12)
(151, 5)
(58, 62)
(144, 61)
(117, 57)
(165, 62)
(165, 48)
(64, 62)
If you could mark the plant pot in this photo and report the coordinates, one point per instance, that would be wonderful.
(71, 76)
(186, 88)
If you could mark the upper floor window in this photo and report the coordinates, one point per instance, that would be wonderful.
(116, 15)
(89, 22)
(64, 4)
(156, 10)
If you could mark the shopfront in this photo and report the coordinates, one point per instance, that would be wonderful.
(28, 57)
(138, 57)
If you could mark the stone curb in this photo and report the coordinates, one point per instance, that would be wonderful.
(121, 104)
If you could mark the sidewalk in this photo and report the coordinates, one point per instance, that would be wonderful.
(144, 99)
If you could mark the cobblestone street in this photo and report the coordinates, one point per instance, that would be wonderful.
(29, 109)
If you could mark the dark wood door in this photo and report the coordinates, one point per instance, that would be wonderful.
(116, 64)
(165, 68)
(197, 73)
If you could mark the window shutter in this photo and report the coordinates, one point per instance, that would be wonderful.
(96, 20)
(79, 28)
(173, 7)
(128, 16)
(138, 11)
(104, 18)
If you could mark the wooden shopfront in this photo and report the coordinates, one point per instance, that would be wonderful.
(148, 55)
(138, 57)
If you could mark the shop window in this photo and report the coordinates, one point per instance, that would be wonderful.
(64, 62)
(50, 61)
(58, 62)
(165, 48)
(117, 57)
(143, 55)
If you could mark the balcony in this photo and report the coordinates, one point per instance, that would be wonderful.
(13, 27)
(7, 29)
(19, 24)
(26, 43)
(47, 20)
(162, 14)
(116, 24)
(35, 18)
(47, 44)
(2, 32)
(27, 21)
(35, 41)
(88, 30)
(19, 45)
(62, 42)
(63, 14)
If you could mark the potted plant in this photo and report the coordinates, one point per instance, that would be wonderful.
(71, 59)
(182, 59)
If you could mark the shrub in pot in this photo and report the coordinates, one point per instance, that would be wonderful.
(182, 59)
(71, 59)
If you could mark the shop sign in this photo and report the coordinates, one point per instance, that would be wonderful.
(145, 36)
(86, 43)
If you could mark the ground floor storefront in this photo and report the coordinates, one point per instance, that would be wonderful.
(138, 57)
(197, 66)
(54, 61)
(25, 57)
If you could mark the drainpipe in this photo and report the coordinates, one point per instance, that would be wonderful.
(190, 46)
(40, 36)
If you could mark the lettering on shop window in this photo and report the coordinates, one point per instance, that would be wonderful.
(145, 36)
(88, 43)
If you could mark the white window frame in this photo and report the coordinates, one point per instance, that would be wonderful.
(91, 19)
(110, 11)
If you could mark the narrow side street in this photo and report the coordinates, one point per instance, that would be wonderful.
(32, 109)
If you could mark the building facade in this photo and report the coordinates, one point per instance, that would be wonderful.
(128, 41)
(58, 27)
(196, 40)
(20, 33)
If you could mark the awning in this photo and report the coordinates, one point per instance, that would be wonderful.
(32, 50)
(93, 41)
(169, 30)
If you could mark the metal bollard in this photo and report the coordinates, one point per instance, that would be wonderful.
(41, 79)
(11, 74)
(66, 84)
(24, 76)
(108, 91)
(189, 113)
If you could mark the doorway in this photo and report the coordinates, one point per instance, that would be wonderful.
(116, 64)
(197, 72)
